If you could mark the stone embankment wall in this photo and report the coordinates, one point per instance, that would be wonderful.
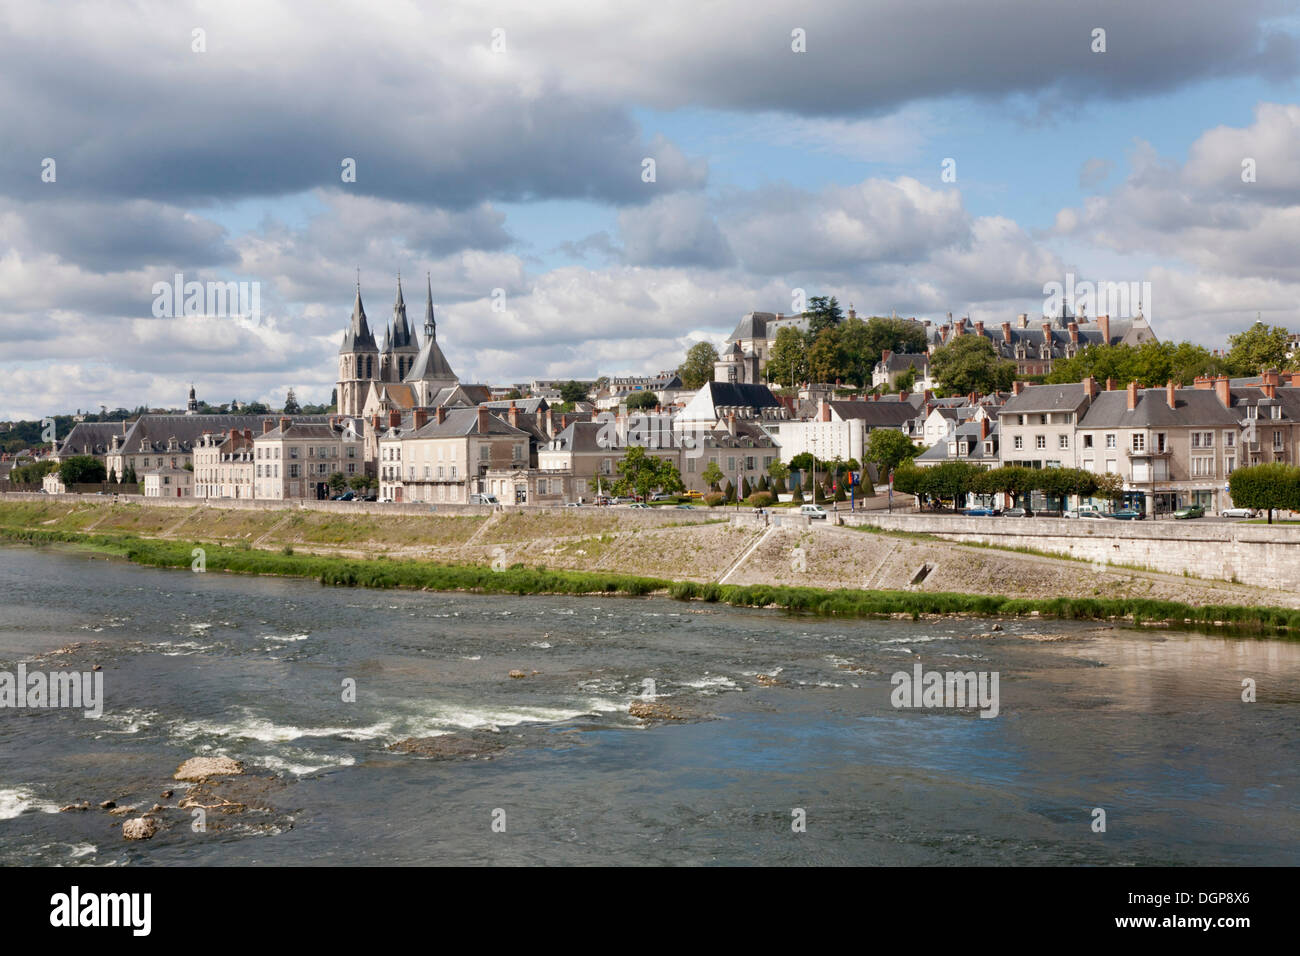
(1258, 554)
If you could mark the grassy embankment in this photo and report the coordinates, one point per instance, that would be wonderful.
(520, 579)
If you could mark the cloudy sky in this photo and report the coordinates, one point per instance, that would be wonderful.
(503, 147)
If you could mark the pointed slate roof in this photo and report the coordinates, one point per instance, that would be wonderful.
(430, 365)
(358, 337)
(403, 337)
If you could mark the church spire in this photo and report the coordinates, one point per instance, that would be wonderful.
(430, 327)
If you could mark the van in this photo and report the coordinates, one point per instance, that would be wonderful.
(483, 500)
(812, 511)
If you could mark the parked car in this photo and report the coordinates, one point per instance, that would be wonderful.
(479, 499)
(1017, 513)
(812, 511)
(1239, 513)
(346, 496)
(1085, 512)
(662, 496)
(572, 504)
(639, 504)
(1091, 513)
(1128, 514)
(1191, 511)
(687, 507)
(980, 512)
(697, 495)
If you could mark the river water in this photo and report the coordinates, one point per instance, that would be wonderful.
(816, 767)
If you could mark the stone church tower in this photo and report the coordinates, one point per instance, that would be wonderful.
(401, 347)
(358, 362)
(430, 372)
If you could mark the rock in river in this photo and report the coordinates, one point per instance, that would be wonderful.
(200, 768)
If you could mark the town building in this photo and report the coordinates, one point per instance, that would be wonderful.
(295, 459)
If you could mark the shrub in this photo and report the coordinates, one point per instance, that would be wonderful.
(759, 499)
(714, 499)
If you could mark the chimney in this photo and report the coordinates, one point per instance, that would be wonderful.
(979, 327)
(1006, 332)
(1132, 395)
(1223, 389)
(394, 418)
(421, 417)
(1090, 387)
(285, 422)
(1074, 333)
(1017, 388)
(1269, 381)
(1110, 385)
(564, 422)
(124, 429)
(1023, 318)
(248, 434)
(1170, 389)
(984, 428)
(823, 411)
(440, 414)
(1047, 333)
(731, 422)
(482, 420)
(234, 436)
(884, 356)
(875, 396)
(1292, 379)
(267, 425)
(1203, 382)
(1103, 322)
(902, 396)
(514, 415)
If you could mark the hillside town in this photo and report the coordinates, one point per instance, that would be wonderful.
(405, 429)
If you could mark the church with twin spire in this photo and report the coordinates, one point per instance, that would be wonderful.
(403, 373)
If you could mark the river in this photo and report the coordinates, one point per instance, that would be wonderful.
(809, 764)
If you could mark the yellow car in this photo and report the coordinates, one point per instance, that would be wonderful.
(694, 494)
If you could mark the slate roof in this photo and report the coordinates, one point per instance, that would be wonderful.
(90, 438)
(188, 429)
(358, 337)
(876, 414)
(1046, 398)
(1195, 406)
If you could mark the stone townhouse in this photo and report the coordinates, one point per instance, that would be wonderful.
(1037, 425)
(224, 465)
(582, 460)
(294, 459)
(168, 483)
(446, 456)
(167, 441)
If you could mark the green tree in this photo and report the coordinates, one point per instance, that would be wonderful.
(1257, 349)
(642, 474)
(638, 401)
(906, 379)
(1266, 487)
(291, 406)
(572, 391)
(698, 366)
(729, 494)
(827, 361)
(712, 474)
(1110, 487)
(822, 313)
(787, 362)
(969, 363)
(778, 473)
(887, 449)
(337, 482)
(81, 470)
(129, 476)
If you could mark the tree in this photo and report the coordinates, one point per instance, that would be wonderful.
(1266, 487)
(129, 476)
(1257, 349)
(969, 363)
(822, 313)
(291, 406)
(1110, 486)
(572, 391)
(906, 379)
(712, 474)
(1151, 364)
(827, 361)
(642, 400)
(787, 361)
(698, 366)
(334, 399)
(778, 473)
(514, 395)
(887, 449)
(81, 470)
(337, 482)
(729, 493)
(642, 474)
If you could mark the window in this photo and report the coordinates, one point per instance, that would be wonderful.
(293, 471)
(1019, 442)
(1277, 440)
(731, 463)
(1229, 465)
(1275, 411)
(1139, 441)
(749, 463)
(1252, 411)
(1110, 466)
(1063, 441)
(1110, 441)
(293, 451)
(484, 452)
(988, 448)
(1040, 441)
(1087, 441)
(1202, 467)
(1229, 439)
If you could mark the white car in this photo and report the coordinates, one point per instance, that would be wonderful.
(812, 511)
(1238, 513)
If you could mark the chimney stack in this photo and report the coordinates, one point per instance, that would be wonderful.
(514, 415)
(823, 411)
(1023, 318)
(285, 423)
(1017, 387)
(1110, 385)
(1132, 395)
(248, 434)
(979, 327)
(234, 436)
(482, 420)
(394, 418)
(1223, 389)
(1269, 382)
(1074, 333)
(1170, 396)
(267, 425)
(984, 428)
(884, 356)
(1103, 323)
(421, 417)
(440, 414)
(1090, 387)
(731, 422)
(1006, 332)
(902, 396)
